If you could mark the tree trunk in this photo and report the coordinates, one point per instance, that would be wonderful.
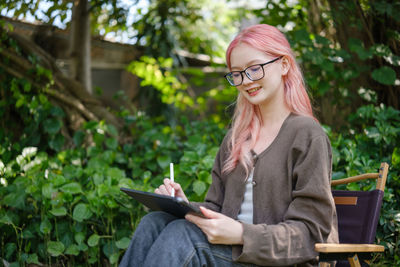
(80, 44)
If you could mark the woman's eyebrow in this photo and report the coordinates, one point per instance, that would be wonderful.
(248, 64)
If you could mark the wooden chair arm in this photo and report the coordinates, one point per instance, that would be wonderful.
(340, 248)
(355, 178)
(381, 176)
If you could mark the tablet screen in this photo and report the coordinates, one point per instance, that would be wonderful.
(173, 205)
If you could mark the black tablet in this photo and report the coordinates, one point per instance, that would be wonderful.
(173, 205)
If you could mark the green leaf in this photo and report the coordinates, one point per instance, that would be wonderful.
(385, 75)
(78, 138)
(114, 258)
(9, 249)
(123, 243)
(61, 211)
(190, 156)
(56, 180)
(33, 258)
(45, 226)
(81, 212)
(82, 247)
(116, 173)
(47, 190)
(112, 130)
(396, 157)
(72, 250)
(102, 190)
(127, 183)
(353, 187)
(163, 161)
(55, 248)
(20, 102)
(27, 86)
(338, 175)
(79, 237)
(43, 99)
(57, 112)
(72, 188)
(357, 46)
(93, 240)
(98, 178)
(5, 219)
(303, 37)
(52, 126)
(112, 143)
(57, 142)
(15, 200)
(109, 248)
(203, 176)
(199, 187)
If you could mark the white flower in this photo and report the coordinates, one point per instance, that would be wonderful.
(29, 151)
(20, 160)
(2, 167)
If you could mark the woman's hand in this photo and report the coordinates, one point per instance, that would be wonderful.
(166, 189)
(219, 229)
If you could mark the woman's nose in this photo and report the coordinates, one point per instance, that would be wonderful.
(246, 80)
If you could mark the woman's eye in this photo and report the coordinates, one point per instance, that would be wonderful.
(235, 75)
(255, 68)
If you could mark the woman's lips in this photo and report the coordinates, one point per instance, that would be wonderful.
(253, 91)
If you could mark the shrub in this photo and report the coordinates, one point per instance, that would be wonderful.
(68, 208)
(374, 138)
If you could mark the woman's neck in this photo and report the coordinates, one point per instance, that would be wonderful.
(270, 127)
(274, 116)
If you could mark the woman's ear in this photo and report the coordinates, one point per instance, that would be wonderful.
(285, 66)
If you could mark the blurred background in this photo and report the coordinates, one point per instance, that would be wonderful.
(98, 95)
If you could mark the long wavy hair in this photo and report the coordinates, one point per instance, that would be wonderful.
(247, 121)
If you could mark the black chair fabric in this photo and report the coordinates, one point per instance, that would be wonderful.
(357, 223)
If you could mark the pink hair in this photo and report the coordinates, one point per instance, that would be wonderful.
(247, 117)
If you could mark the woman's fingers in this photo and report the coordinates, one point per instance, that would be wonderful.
(179, 192)
(165, 189)
(210, 214)
(161, 190)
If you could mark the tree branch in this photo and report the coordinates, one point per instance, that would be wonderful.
(73, 102)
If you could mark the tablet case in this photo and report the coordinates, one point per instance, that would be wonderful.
(173, 205)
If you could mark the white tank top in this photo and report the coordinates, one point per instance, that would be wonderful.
(246, 209)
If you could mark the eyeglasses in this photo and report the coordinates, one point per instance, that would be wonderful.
(254, 73)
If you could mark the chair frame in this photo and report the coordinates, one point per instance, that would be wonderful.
(352, 252)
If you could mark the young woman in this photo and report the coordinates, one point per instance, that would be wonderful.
(270, 199)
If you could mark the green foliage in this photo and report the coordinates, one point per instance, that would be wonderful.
(60, 201)
(106, 15)
(374, 138)
(28, 117)
(349, 63)
(201, 26)
(173, 85)
(158, 74)
(68, 207)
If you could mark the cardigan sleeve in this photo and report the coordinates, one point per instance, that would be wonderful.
(309, 218)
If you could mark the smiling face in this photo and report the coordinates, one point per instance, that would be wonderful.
(269, 90)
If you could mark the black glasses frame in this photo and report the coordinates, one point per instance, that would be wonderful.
(248, 76)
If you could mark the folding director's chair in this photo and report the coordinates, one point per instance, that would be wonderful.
(358, 216)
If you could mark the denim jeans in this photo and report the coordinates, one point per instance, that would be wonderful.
(162, 239)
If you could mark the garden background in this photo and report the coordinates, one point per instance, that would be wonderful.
(64, 153)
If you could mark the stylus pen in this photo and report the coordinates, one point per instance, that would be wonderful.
(171, 173)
